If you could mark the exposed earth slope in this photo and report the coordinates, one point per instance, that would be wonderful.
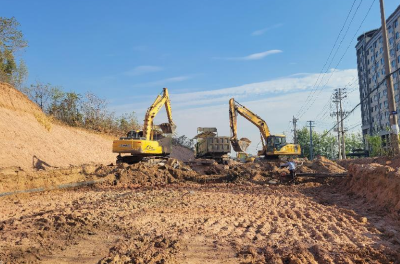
(28, 139)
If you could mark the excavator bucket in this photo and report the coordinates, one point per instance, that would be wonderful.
(167, 128)
(240, 145)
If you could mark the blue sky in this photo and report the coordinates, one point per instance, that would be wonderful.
(127, 51)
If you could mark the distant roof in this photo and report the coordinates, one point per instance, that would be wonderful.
(376, 31)
(367, 34)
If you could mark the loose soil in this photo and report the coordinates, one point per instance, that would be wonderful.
(182, 210)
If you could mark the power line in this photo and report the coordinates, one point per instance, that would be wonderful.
(365, 98)
(340, 60)
(326, 62)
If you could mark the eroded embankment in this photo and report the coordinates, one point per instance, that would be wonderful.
(378, 184)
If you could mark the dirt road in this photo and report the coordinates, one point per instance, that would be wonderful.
(194, 223)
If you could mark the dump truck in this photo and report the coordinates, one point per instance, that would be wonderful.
(211, 146)
(152, 140)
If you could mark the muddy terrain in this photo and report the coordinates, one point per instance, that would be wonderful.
(171, 212)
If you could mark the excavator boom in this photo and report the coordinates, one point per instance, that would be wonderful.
(242, 144)
(153, 110)
(273, 145)
(149, 142)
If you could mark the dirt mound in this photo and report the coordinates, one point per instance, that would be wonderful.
(181, 153)
(28, 139)
(378, 184)
(143, 249)
(146, 174)
(393, 162)
(13, 99)
(323, 165)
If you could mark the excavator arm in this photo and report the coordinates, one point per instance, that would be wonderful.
(153, 110)
(236, 108)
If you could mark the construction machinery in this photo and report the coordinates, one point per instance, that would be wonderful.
(211, 146)
(245, 157)
(273, 146)
(150, 141)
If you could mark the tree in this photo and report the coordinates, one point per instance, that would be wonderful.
(11, 41)
(183, 141)
(376, 145)
(326, 145)
(353, 141)
(40, 94)
(68, 111)
(94, 111)
(127, 122)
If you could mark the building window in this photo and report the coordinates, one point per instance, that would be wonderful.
(391, 41)
(375, 44)
(398, 59)
(386, 103)
(397, 97)
(380, 40)
(393, 63)
(396, 23)
(391, 52)
(394, 74)
(397, 35)
(384, 92)
(390, 29)
(381, 50)
(398, 46)
(376, 54)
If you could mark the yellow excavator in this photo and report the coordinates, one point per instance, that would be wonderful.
(149, 142)
(273, 146)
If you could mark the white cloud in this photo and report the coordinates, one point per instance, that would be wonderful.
(254, 56)
(296, 82)
(276, 101)
(140, 70)
(264, 30)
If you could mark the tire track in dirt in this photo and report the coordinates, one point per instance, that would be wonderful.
(221, 222)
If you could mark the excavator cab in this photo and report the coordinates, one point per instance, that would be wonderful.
(134, 135)
(275, 143)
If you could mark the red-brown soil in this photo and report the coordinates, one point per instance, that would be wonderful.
(169, 212)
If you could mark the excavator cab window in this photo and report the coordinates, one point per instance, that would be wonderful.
(279, 142)
(275, 142)
(134, 134)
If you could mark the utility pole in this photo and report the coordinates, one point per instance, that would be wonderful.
(394, 135)
(295, 129)
(338, 96)
(336, 101)
(341, 96)
(311, 144)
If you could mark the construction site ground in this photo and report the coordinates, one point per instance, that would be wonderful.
(174, 213)
(62, 201)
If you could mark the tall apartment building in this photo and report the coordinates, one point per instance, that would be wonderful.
(371, 73)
